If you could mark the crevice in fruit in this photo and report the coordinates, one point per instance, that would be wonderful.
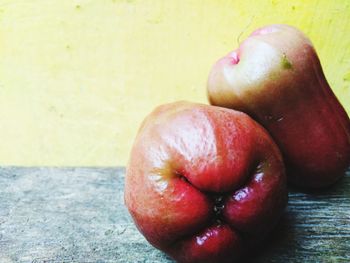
(234, 58)
(167, 171)
(250, 175)
(182, 178)
(218, 205)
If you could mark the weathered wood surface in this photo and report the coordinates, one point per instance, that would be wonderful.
(77, 215)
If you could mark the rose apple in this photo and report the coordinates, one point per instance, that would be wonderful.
(203, 183)
(276, 77)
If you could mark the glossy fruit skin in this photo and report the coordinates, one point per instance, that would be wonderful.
(204, 183)
(275, 76)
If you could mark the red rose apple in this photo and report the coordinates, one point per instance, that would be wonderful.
(204, 183)
(276, 77)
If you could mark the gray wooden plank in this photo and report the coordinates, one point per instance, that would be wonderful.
(77, 215)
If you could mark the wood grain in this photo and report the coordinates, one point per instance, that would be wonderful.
(77, 215)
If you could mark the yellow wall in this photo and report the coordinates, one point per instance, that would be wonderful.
(77, 77)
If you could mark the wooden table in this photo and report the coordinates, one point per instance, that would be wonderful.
(77, 215)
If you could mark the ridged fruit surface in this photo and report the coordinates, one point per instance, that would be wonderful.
(204, 183)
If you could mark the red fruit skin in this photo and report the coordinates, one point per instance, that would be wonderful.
(204, 183)
(275, 76)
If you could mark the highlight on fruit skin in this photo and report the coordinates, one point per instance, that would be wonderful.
(204, 183)
(275, 76)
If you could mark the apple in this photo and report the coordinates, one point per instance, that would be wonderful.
(204, 183)
(275, 76)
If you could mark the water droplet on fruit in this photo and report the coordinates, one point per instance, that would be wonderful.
(218, 205)
(218, 199)
(241, 194)
(200, 240)
(218, 208)
(258, 177)
(218, 222)
(268, 117)
(271, 118)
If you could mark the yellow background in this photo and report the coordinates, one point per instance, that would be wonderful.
(78, 77)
